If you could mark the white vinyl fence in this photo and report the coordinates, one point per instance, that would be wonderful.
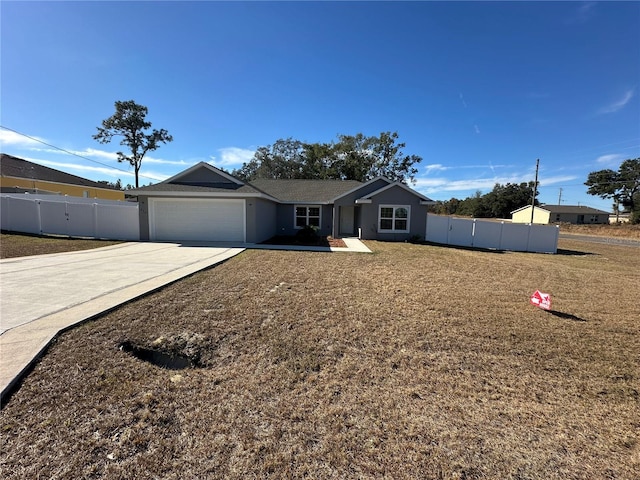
(72, 216)
(519, 237)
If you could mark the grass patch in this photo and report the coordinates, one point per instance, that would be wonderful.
(22, 245)
(618, 230)
(416, 361)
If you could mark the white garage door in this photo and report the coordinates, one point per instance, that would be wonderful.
(219, 220)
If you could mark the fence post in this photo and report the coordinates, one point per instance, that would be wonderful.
(39, 217)
(95, 219)
(473, 233)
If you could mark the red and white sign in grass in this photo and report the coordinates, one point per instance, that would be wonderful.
(542, 300)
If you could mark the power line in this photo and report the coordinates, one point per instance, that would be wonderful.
(72, 153)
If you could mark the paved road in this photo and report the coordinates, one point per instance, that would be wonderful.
(596, 239)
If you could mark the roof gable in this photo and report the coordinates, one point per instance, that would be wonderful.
(537, 207)
(393, 185)
(362, 186)
(11, 166)
(203, 174)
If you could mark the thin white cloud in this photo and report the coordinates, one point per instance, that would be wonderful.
(537, 95)
(583, 13)
(476, 128)
(439, 167)
(97, 171)
(80, 169)
(160, 161)
(610, 158)
(13, 139)
(619, 104)
(435, 167)
(232, 157)
(442, 184)
(464, 104)
(111, 156)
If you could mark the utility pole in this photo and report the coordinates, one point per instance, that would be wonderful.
(560, 197)
(535, 191)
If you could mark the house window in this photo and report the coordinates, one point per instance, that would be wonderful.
(557, 217)
(307, 215)
(393, 218)
(594, 218)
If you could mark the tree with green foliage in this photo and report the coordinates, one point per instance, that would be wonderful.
(504, 199)
(117, 185)
(351, 157)
(129, 122)
(622, 186)
(498, 203)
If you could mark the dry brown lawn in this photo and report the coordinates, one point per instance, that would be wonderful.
(413, 362)
(22, 245)
(624, 230)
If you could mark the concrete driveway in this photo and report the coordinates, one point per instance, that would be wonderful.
(44, 294)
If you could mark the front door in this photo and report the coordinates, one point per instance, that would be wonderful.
(347, 220)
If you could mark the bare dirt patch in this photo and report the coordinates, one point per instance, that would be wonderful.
(415, 361)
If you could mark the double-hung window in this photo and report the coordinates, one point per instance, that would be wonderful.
(307, 215)
(394, 218)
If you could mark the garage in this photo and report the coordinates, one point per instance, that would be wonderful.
(205, 220)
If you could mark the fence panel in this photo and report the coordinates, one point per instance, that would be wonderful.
(493, 235)
(543, 239)
(515, 237)
(461, 232)
(53, 217)
(118, 222)
(78, 217)
(437, 229)
(81, 219)
(20, 215)
(487, 234)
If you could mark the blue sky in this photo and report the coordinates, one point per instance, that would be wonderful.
(479, 90)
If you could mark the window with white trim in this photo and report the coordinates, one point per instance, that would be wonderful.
(394, 218)
(307, 215)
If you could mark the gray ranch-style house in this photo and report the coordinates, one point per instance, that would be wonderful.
(204, 203)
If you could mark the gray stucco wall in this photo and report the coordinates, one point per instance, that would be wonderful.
(588, 218)
(286, 220)
(350, 199)
(393, 196)
(261, 220)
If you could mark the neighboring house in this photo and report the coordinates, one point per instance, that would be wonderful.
(204, 203)
(576, 214)
(21, 176)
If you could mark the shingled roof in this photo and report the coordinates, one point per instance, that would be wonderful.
(11, 166)
(579, 209)
(189, 187)
(304, 191)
